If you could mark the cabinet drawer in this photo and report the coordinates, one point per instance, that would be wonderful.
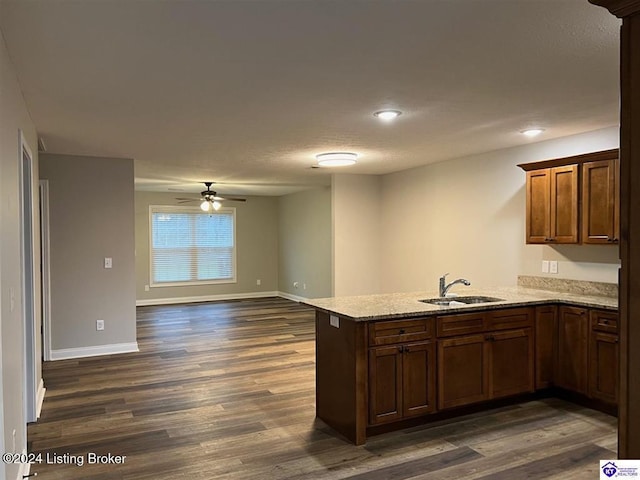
(603, 321)
(400, 331)
(461, 324)
(509, 318)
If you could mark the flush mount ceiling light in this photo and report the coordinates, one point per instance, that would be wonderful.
(387, 115)
(336, 159)
(532, 132)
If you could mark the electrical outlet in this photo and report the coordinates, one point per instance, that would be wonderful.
(296, 284)
(545, 266)
(334, 321)
(99, 325)
(108, 262)
(146, 288)
(553, 266)
(258, 282)
(304, 286)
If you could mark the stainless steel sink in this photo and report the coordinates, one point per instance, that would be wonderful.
(445, 302)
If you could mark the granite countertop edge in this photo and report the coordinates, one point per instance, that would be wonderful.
(366, 308)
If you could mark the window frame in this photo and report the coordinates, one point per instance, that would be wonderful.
(169, 209)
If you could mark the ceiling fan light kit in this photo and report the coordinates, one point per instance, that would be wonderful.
(336, 159)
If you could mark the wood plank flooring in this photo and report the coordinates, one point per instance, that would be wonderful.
(226, 390)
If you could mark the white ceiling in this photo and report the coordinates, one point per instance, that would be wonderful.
(247, 92)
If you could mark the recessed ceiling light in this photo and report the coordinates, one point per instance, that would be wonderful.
(336, 159)
(532, 132)
(387, 115)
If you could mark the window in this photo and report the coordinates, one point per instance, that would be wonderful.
(188, 246)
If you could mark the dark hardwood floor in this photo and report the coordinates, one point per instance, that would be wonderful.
(225, 390)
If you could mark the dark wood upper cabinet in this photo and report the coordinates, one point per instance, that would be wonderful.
(539, 206)
(552, 205)
(600, 205)
(573, 199)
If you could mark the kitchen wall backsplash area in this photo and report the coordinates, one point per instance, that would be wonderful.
(580, 287)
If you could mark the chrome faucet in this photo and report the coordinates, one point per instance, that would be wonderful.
(445, 288)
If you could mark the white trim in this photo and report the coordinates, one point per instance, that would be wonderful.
(40, 398)
(45, 249)
(204, 298)
(24, 469)
(290, 296)
(29, 274)
(214, 298)
(81, 352)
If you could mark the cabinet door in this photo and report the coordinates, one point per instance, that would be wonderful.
(511, 362)
(539, 206)
(418, 379)
(573, 329)
(385, 384)
(546, 345)
(600, 219)
(603, 367)
(463, 372)
(564, 204)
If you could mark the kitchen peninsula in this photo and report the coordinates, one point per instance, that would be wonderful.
(383, 361)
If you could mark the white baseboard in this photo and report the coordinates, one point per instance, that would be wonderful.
(204, 298)
(40, 398)
(66, 353)
(24, 470)
(290, 296)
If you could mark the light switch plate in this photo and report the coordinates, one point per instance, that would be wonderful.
(553, 266)
(334, 321)
(545, 266)
(108, 262)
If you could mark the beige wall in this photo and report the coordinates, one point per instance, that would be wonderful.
(304, 243)
(91, 216)
(256, 255)
(466, 217)
(357, 233)
(14, 117)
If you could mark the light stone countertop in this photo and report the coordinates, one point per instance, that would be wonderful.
(401, 305)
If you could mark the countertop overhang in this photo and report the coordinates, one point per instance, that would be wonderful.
(365, 308)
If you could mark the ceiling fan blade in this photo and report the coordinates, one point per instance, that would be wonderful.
(185, 200)
(232, 199)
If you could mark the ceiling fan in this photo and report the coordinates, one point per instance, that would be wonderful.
(209, 199)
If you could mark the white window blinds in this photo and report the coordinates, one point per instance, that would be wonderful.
(192, 247)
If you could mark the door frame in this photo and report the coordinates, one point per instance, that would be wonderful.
(29, 277)
(45, 269)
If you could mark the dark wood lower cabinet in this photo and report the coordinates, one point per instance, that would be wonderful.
(603, 367)
(474, 368)
(463, 371)
(573, 349)
(511, 359)
(370, 375)
(385, 384)
(546, 345)
(401, 381)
